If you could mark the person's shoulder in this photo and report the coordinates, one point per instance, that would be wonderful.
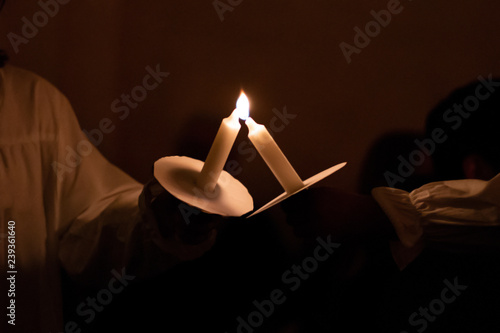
(32, 101)
(25, 80)
(13, 72)
(31, 92)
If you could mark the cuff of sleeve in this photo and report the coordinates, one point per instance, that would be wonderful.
(171, 243)
(403, 215)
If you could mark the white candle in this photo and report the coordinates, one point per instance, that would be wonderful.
(223, 142)
(273, 156)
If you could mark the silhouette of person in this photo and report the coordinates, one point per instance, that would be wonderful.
(64, 206)
(457, 213)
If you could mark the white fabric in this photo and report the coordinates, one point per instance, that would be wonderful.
(449, 213)
(84, 217)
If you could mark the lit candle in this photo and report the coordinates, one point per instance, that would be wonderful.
(273, 156)
(224, 140)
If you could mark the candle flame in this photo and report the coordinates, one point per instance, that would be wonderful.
(243, 106)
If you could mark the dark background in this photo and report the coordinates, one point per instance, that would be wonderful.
(282, 53)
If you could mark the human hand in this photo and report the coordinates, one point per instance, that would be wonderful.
(192, 225)
(176, 219)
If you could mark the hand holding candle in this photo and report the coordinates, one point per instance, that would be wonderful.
(279, 165)
(177, 174)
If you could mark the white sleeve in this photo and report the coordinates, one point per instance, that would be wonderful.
(448, 213)
(102, 224)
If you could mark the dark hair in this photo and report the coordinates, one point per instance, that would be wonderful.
(470, 119)
(3, 55)
(3, 58)
(383, 160)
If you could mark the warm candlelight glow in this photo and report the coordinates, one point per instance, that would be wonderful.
(243, 106)
(273, 156)
(223, 142)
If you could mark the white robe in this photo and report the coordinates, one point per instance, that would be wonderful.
(71, 210)
(457, 215)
